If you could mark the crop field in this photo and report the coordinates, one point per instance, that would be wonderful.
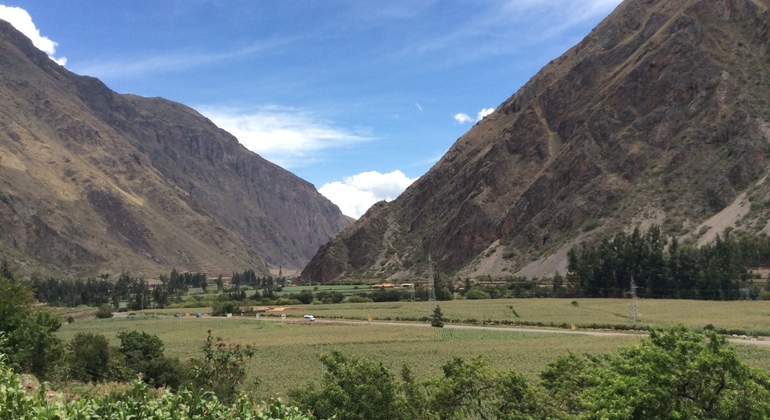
(287, 355)
(750, 316)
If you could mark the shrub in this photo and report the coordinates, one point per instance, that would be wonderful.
(88, 357)
(221, 369)
(476, 293)
(358, 299)
(104, 311)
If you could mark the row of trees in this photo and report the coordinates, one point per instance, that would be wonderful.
(137, 292)
(662, 268)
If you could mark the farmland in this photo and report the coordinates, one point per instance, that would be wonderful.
(287, 351)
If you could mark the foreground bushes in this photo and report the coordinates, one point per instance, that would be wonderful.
(675, 374)
(138, 403)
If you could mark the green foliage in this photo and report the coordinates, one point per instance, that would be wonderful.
(476, 293)
(31, 344)
(15, 403)
(226, 307)
(143, 355)
(663, 269)
(88, 357)
(473, 390)
(437, 318)
(104, 311)
(221, 369)
(352, 388)
(676, 373)
(358, 299)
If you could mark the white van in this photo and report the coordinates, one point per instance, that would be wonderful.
(309, 318)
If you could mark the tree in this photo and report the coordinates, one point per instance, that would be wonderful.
(352, 388)
(471, 389)
(221, 369)
(88, 357)
(139, 347)
(32, 345)
(143, 353)
(476, 293)
(676, 373)
(437, 318)
(104, 311)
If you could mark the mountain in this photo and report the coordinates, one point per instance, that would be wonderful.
(661, 115)
(92, 181)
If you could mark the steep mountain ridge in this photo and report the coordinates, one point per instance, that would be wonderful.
(659, 114)
(93, 181)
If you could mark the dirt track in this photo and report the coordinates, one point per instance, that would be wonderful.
(756, 342)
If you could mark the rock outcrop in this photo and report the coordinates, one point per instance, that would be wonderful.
(92, 181)
(660, 115)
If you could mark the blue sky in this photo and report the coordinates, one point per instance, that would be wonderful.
(359, 98)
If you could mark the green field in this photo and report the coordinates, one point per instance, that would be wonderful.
(750, 316)
(287, 351)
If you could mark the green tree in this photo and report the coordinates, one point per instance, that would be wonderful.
(352, 388)
(89, 356)
(104, 311)
(32, 345)
(476, 293)
(437, 318)
(143, 354)
(473, 390)
(221, 369)
(676, 373)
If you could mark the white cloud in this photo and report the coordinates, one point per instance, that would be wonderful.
(483, 113)
(168, 62)
(357, 193)
(462, 118)
(22, 21)
(532, 23)
(286, 136)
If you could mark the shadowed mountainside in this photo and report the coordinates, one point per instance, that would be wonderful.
(660, 115)
(92, 181)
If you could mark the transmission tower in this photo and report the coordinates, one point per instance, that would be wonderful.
(634, 301)
(431, 281)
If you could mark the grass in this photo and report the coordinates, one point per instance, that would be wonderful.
(287, 352)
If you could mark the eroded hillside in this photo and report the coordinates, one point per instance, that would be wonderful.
(660, 115)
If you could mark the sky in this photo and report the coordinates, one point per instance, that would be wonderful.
(360, 98)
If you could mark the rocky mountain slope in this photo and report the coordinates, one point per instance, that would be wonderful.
(92, 181)
(660, 115)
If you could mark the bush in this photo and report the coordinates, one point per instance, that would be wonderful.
(221, 369)
(476, 293)
(88, 357)
(104, 311)
(358, 299)
(222, 308)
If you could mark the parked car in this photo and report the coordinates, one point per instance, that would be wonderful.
(309, 318)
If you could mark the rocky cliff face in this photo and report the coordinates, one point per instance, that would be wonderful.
(660, 115)
(92, 181)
